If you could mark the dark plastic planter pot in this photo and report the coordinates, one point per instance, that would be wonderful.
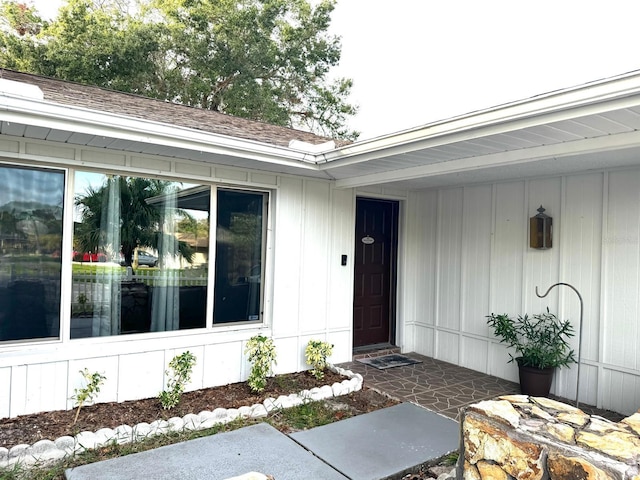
(535, 381)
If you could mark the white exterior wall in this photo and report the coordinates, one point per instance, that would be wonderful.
(308, 294)
(468, 256)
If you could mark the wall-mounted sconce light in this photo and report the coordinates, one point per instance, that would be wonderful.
(540, 230)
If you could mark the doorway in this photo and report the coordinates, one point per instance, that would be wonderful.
(375, 272)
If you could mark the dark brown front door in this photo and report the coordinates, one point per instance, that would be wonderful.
(375, 272)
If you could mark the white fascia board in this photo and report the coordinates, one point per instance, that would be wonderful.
(80, 120)
(600, 97)
(493, 160)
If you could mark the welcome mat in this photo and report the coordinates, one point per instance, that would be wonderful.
(388, 361)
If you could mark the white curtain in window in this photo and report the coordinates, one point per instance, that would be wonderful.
(165, 293)
(106, 290)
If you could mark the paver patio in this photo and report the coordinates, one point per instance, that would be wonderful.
(443, 387)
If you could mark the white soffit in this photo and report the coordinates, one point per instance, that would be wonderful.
(598, 117)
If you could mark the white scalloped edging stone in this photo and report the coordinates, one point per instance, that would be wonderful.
(47, 451)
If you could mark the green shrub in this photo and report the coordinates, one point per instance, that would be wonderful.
(316, 355)
(540, 341)
(87, 393)
(262, 354)
(179, 375)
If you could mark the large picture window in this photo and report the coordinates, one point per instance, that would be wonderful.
(31, 219)
(141, 254)
(240, 247)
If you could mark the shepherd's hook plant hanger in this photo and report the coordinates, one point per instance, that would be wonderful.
(579, 330)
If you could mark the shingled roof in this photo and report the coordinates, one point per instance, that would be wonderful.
(101, 99)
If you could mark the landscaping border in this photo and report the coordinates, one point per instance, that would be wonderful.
(44, 452)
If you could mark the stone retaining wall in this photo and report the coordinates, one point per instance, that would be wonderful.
(534, 438)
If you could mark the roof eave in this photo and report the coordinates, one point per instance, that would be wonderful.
(42, 113)
(592, 98)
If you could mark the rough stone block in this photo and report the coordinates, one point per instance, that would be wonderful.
(634, 422)
(516, 399)
(602, 425)
(554, 405)
(538, 412)
(483, 441)
(623, 446)
(500, 410)
(561, 432)
(471, 472)
(579, 419)
(561, 467)
(491, 470)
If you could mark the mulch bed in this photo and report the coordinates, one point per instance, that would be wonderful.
(28, 429)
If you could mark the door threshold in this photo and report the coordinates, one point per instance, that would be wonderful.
(372, 351)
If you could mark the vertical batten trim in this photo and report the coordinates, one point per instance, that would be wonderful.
(464, 272)
(492, 259)
(604, 272)
(525, 244)
(438, 251)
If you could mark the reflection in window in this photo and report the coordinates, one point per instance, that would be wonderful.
(31, 216)
(239, 256)
(140, 255)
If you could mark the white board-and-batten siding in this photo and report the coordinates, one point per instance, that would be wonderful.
(469, 257)
(307, 290)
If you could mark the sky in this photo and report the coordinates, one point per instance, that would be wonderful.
(414, 62)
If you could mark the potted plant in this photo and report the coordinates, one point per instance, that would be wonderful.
(541, 345)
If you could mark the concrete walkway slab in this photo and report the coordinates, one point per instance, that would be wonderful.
(382, 443)
(258, 448)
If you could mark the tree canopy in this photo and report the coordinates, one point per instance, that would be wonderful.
(265, 60)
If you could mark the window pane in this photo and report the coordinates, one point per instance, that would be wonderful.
(239, 256)
(140, 255)
(31, 215)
